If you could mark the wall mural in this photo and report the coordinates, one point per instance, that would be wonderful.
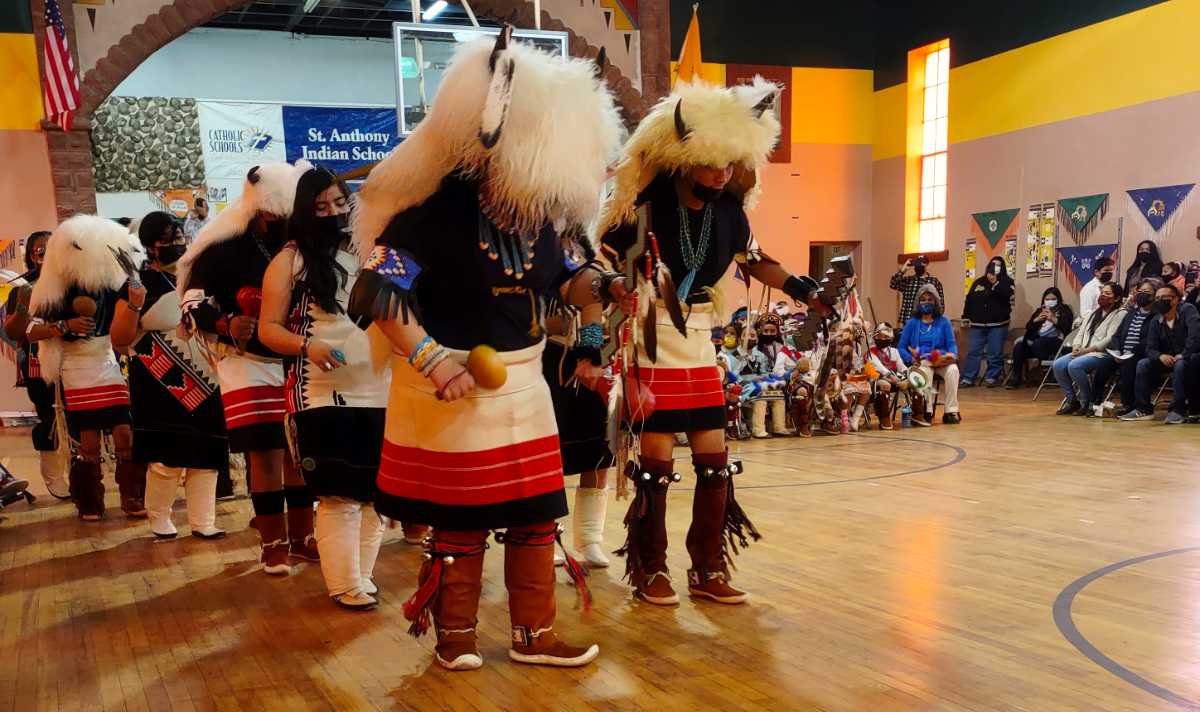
(146, 143)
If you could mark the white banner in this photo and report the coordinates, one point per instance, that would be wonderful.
(235, 137)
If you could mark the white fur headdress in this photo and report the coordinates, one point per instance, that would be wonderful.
(699, 124)
(79, 254)
(537, 130)
(268, 188)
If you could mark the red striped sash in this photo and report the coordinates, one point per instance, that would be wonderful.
(510, 472)
(98, 397)
(250, 406)
(684, 388)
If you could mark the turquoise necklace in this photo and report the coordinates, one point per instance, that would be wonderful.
(693, 255)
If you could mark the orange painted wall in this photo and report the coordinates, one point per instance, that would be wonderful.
(26, 191)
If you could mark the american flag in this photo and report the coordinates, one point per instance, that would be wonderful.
(60, 88)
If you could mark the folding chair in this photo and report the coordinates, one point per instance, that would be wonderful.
(1048, 366)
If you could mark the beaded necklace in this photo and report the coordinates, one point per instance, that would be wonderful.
(693, 255)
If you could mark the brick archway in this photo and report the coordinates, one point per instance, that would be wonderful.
(71, 151)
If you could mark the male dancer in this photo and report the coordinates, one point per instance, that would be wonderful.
(72, 307)
(695, 159)
(29, 370)
(460, 224)
(220, 287)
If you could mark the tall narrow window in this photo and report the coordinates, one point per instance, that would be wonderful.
(935, 122)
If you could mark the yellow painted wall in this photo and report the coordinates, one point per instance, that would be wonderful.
(1142, 56)
(832, 105)
(20, 87)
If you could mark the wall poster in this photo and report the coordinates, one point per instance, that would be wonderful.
(1039, 240)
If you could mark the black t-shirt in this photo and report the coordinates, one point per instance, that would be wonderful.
(729, 235)
(222, 270)
(464, 296)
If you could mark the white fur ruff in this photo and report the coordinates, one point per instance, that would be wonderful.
(559, 132)
(78, 254)
(725, 128)
(274, 193)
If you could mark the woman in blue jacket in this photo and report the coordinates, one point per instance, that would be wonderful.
(929, 337)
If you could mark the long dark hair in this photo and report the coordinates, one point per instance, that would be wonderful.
(29, 242)
(322, 274)
(1153, 264)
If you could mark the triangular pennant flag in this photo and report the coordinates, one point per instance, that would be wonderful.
(92, 16)
(995, 224)
(1078, 262)
(689, 55)
(1080, 216)
(1157, 205)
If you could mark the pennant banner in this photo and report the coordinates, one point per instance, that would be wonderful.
(1077, 263)
(1080, 216)
(995, 225)
(1159, 205)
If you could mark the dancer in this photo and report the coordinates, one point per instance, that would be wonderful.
(72, 306)
(694, 158)
(220, 282)
(178, 424)
(571, 365)
(336, 397)
(29, 370)
(460, 220)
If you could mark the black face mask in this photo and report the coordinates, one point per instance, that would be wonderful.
(1105, 277)
(1162, 306)
(170, 254)
(919, 269)
(1143, 300)
(1143, 256)
(333, 227)
(706, 194)
(883, 343)
(767, 339)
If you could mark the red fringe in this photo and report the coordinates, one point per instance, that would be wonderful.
(419, 606)
(578, 575)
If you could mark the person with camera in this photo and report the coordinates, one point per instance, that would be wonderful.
(1044, 334)
(908, 280)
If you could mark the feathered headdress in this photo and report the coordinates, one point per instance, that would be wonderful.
(82, 252)
(269, 188)
(698, 125)
(537, 130)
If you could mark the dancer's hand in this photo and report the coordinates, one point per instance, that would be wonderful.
(241, 328)
(321, 354)
(452, 380)
(81, 325)
(588, 373)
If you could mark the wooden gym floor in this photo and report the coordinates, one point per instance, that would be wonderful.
(1020, 561)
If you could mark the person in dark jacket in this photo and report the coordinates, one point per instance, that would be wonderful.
(1148, 263)
(1129, 343)
(988, 310)
(1174, 337)
(1044, 334)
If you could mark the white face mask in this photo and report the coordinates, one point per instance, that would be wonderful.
(1051, 303)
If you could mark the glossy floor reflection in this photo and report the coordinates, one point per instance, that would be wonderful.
(910, 570)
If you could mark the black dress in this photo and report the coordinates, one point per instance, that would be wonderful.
(176, 403)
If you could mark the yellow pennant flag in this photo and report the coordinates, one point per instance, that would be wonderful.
(689, 56)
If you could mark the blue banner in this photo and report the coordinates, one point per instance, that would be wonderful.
(1158, 204)
(339, 138)
(1079, 262)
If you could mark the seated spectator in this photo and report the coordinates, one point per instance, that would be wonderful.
(1129, 343)
(928, 340)
(1174, 337)
(988, 310)
(1148, 263)
(1172, 274)
(890, 375)
(1089, 356)
(770, 344)
(1044, 334)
